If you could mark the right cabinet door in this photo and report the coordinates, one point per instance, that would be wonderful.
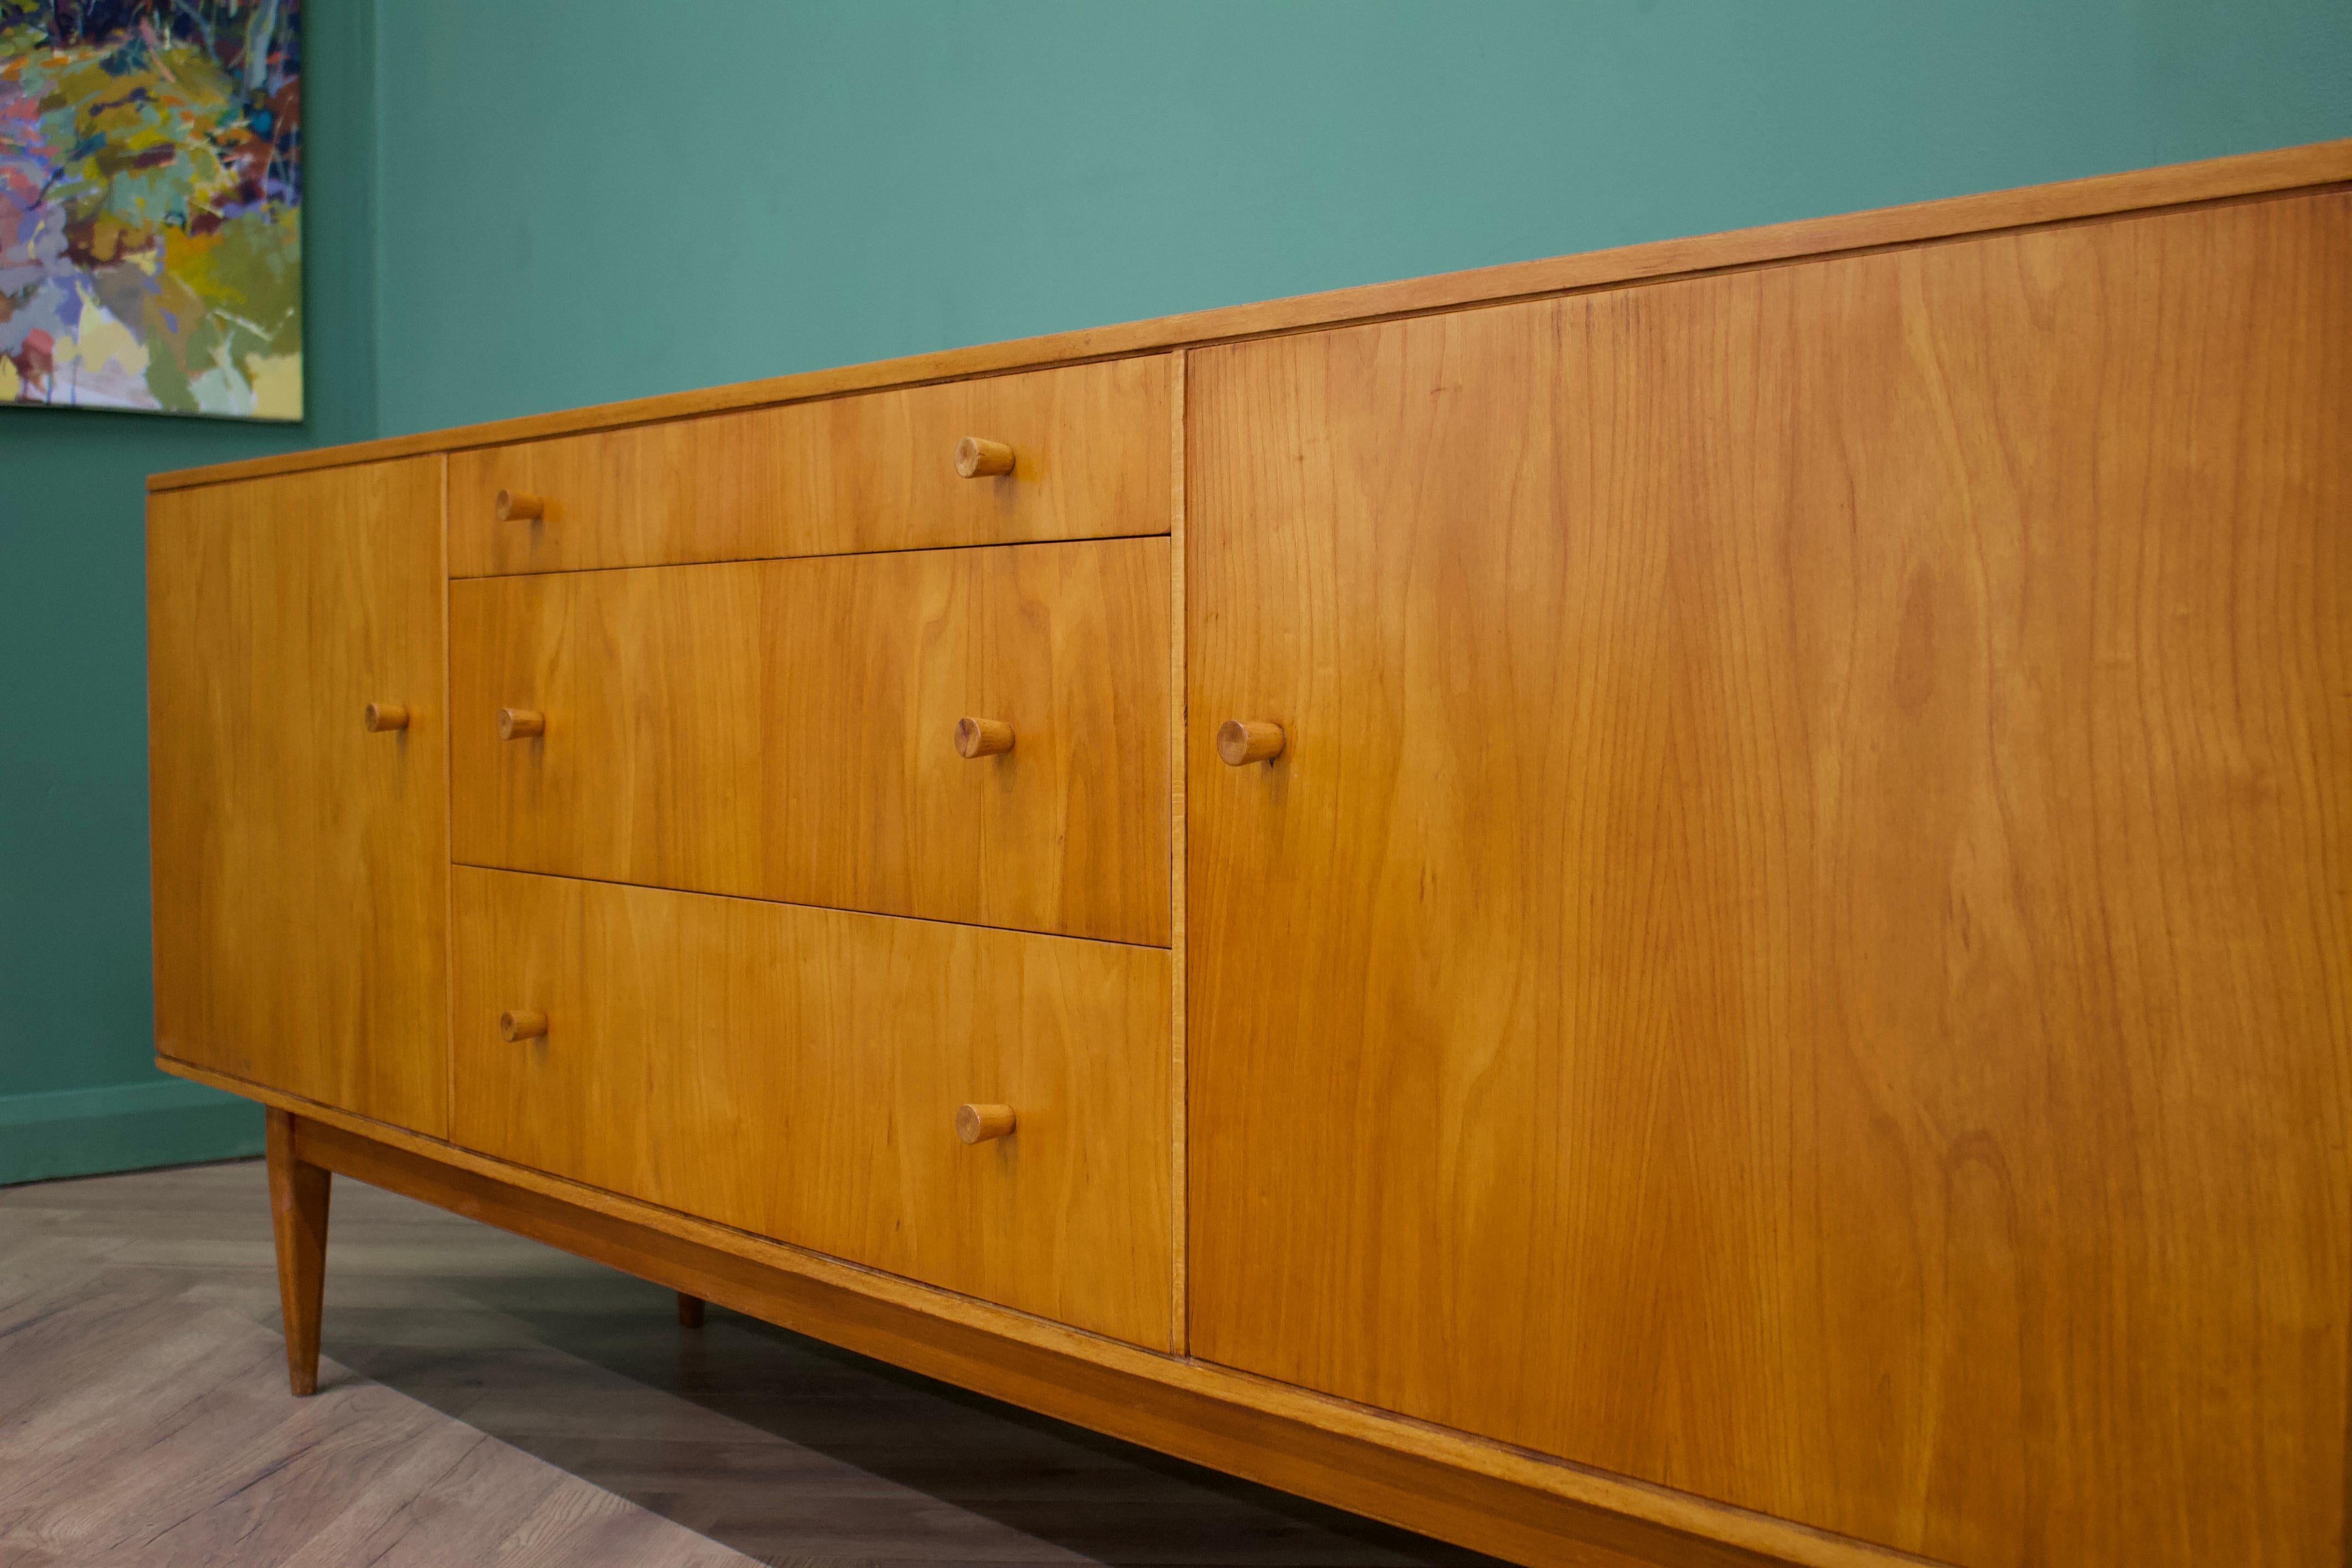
(1797, 945)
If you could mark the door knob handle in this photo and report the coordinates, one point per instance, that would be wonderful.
(982, 737)
(1241, 741)
(976, 458)
(979, 1123)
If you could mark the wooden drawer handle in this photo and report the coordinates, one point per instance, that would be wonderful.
(382, 716)
(1241, 741)
(521, 506)
(979, 1123)
(521, 723)
(982, 737)
(976, 458)
(523, 1024)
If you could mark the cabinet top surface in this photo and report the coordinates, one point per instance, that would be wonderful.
(2219, 179)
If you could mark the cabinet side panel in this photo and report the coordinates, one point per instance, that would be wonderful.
(301, 860)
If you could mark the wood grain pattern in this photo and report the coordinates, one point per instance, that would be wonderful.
(300, 862)
(298, 1194)
(796, 1073)
(973, 1321)
(2216, 179)
(786, 730)
(1799, 948)
(1477, 1511)
(830, 477)
(1179, 1186)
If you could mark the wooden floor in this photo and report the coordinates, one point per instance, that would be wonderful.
(488, 1402)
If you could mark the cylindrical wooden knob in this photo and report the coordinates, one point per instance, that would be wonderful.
(979, 1123)
(522, 1023)
(520, 506)
(982, 737)
(518, 723)
(381, 716)
(1242, 740)
(976, 457)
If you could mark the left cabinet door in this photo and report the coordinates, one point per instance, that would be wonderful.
(298, 777)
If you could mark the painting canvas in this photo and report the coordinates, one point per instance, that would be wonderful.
(150, 205)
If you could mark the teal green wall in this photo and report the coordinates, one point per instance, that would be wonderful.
(79, 1092)
(532, 205)
(582, 204)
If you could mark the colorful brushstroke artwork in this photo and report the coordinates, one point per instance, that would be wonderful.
(150, 205)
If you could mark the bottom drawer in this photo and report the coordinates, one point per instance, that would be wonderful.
(798, 1073)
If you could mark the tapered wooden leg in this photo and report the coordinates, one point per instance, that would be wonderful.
(689, 1310)
(298, 1219)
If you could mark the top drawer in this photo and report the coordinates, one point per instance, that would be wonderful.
(840, 476)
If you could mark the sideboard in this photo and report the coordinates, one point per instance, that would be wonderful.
(1683, 906)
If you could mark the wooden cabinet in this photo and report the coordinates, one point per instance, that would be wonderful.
(1686, 906)
(789, 730)
(302, 857)
(798, 1073)
(1796, 947)
(1087, 446)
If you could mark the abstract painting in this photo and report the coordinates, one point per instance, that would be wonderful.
(150, 205)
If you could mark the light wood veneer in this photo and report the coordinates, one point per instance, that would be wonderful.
(798, 1073)
(1700, 922)
(302, 856)
(787, 730)
(1478, 1493)
(1802, 922)
(1075, 452)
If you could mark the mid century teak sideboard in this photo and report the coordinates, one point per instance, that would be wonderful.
(1685, 906)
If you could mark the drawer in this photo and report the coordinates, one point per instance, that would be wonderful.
(1090, 449)
(787, 730)
(798, 1073)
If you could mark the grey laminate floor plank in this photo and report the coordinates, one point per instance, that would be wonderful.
(487, 1401)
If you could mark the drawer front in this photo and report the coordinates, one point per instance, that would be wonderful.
(875, 471)
(787, 730)
(798, 1073)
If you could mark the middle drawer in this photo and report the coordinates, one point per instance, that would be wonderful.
(795, 729)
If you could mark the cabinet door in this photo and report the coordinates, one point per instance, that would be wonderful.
(1797, 947)
(302, 860)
